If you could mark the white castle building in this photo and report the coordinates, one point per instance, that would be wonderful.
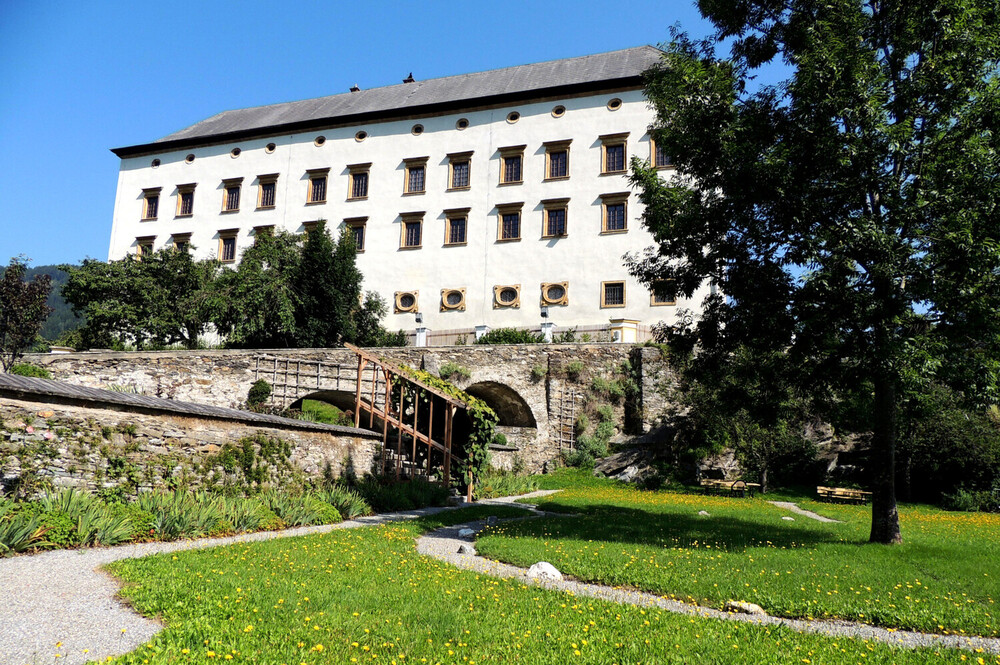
(492, 199)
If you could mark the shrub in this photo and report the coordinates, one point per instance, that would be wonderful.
(538, 372)
(27, 369)
(450, 370)
(504, 483)
(612, 389)
(348, 503)
(510, 336)
(581, 424)
(567, 336)
(259, 393)
(573, 369)
(972, 501)
(19, 532)
(606, 413)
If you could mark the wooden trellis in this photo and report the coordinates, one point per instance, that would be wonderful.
(391, 410)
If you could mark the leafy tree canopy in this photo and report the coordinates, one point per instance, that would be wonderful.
(848, 213)
(22, 311)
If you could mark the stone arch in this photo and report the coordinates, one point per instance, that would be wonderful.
(511, 409)
(342, 399)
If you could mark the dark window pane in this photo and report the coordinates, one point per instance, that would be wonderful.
(512, 168)
(359, 185)
(556, 222)
(318, 189)
(460, 174)
(359, 236)
(267, 195)
(228, 249)
(614, 157)
(232, 198)
(412, 238)
(152, 204)
(557, 164)
(416, 179)
(662, 158)
(456, 230)
(615, 217)
(187, 203)
(511, 227)
(614, 293)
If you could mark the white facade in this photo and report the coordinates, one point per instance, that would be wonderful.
(586, 260)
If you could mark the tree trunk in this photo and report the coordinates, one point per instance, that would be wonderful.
(885, 519)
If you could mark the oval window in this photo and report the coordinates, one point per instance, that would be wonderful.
(320, 140)
(269, 148)
(235, 152)
(189, 158)
(513, 117)
(361, 136)
(558, 111)
(462, 123)
(454, 298)
(406, 301)
(155, 163)
(508, 295)
(555, 292)
(614, 104)
(417, 130)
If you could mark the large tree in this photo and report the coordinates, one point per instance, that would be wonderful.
(22, 311)
(849, 213)
(159, 299)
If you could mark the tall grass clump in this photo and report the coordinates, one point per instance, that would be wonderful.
(504, 483)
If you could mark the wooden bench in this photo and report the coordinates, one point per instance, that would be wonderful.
(843, 495)
(734, 487)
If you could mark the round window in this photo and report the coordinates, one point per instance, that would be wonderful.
(361, 136)
(513, 117)
(235, 152)
(508, 295)
(615, 104)
(406, 301)
(189, 158)
(269, 148)
(462, 123)
(155, 163)
(454, 298)
(320, 140)
(417, 130)
(558, 111)
(555, 292)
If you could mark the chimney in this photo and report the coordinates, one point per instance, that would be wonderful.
(409, 79)
(355, 88)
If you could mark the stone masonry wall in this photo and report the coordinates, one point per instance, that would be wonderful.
(93, 448)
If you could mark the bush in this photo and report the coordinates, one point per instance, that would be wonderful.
(573, 369)
(450, 370)
(27, 369)
(972, 501)
(259, 393)
(348, 503)
(614, 390)
(510, 336)
(538, 372)
(504, 483)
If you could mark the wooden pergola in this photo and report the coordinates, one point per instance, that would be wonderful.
(374, 397)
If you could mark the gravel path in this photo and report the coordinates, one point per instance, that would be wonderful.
(61, 603)
(788, 505)
(443, 544)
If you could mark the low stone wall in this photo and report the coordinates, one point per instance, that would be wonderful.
(49, 441)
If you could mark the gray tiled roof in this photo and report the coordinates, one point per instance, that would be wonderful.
(616, 67)
(14, 386)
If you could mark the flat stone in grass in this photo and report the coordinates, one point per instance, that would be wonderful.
(744, 608)
(543, 570)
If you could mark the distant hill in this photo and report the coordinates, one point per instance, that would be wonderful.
(62, 317)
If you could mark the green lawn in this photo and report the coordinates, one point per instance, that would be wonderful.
(364, 595)
(944, 578)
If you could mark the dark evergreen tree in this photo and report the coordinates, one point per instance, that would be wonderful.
(317, 283)
(22, 311)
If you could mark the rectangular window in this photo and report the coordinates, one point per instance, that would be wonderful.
(357, 227)
(181, 241)
(416, 171)
(262, 231)
(267, 187)
(231, 194)
(459, 170)
(227, 246)
(412, 231)
(144, 246)
(358, 181)
(185, 200)
(317, 185)
(660, 158)
(150, 203)
(511, 160)
(663, 293)
(612, 294)
(509, 221)
(614, 209)
(554, 218)
(556, 160)
(456, 226)
(613, 153)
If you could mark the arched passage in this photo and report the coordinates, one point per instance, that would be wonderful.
(510, 407)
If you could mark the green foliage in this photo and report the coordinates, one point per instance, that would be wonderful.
(848, 212)
(321, 412)
(27, 369)
(259, 393)
(348, 502)
(567, 336)
(61, 319)
(19, 531)
(165, 298)
(22, 311)
(252, 463)
(606, 413)
(574, 368)
(973, 501)
(389, 497)
(510, 336)
(581, 424)
(450, 370)
(538, 372)
(495, 484)
(613, 389)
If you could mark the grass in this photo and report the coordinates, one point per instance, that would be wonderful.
(321, 412)
(945, 578)
(365, 596)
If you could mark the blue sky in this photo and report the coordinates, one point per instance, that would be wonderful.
(80, 78)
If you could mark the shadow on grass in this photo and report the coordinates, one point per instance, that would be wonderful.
(616, 524)
(468, 514)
